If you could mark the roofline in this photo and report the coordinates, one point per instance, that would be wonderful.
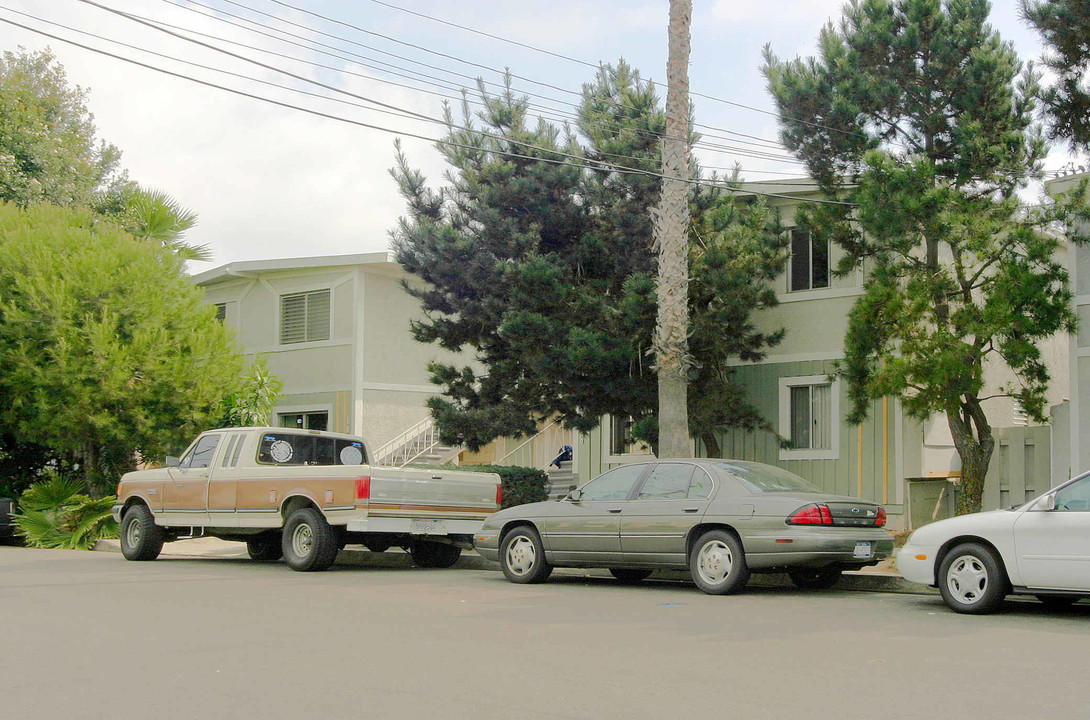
(245, 268)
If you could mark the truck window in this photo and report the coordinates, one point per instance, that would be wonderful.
(294, 449)
(201, 454)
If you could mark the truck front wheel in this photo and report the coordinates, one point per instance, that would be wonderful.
(309, 543)
(141, 538)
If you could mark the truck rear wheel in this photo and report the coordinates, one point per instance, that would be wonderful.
(141, 538)
(309, 543)
(428, 554)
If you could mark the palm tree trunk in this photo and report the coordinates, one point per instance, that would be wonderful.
(672, 361)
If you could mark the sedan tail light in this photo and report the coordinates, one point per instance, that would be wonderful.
(499, 495)
(820, 514)
(815, 514)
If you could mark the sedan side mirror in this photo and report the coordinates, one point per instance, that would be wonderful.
(1048, 502)
(171, 461)
(574, 495)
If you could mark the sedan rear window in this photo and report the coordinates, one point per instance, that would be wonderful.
(760, 478)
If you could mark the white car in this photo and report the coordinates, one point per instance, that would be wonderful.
(1041, 548)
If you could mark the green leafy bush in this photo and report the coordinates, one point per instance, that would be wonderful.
(56, 514)
(521, 485)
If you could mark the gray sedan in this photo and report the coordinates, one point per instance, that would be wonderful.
(721, 519)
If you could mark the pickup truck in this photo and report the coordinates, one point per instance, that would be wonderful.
(301, 495)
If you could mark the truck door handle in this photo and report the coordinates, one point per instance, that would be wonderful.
(614, 510)
(689, 509)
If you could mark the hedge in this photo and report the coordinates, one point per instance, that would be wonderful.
(521, 485)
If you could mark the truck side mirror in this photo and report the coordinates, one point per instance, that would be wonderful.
(171, 461)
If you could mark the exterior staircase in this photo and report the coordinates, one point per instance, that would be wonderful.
(562, 481)
(419, 445)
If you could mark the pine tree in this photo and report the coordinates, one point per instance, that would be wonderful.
(919, 118)
(1065, 27)
(542, 266)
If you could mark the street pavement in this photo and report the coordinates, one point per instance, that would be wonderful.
(90, 636)
(882, 577)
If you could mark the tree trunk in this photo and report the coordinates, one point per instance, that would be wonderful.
(711, 445)
(672, 361)
(974, 442)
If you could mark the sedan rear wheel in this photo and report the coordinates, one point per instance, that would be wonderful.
(972, 580)
(718, 563)
(522, 556)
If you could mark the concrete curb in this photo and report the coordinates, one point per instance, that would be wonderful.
(880, 579)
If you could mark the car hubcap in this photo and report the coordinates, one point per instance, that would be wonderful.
(521, 555)
(967, 579)
(714, 562)
(134, 534)
(302, 540)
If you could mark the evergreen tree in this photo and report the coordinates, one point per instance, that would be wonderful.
(1065, 27)
(48, 150)
(545, 270)
(919, 117)
(107, 350)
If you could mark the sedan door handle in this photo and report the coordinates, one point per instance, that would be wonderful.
(614, 510)
(689, 509)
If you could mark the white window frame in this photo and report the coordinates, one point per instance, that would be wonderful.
(833, 451)
(280, 318)
(274, 415)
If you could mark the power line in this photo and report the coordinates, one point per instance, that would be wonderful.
(158, 27)
(582, 162)
(714, 147)
(578, 61)
(452, 57)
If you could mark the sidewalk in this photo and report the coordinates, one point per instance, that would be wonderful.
(882, 577)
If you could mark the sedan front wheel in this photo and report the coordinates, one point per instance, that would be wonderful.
(718, 563)
(522, 556)
(972, 579)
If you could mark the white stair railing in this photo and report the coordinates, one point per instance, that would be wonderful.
(409, 445)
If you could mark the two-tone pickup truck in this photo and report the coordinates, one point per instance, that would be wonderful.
(301, 495)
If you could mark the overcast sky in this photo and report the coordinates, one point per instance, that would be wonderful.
(271, 182)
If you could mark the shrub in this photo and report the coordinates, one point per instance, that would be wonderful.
(521, 485)
(55, 514)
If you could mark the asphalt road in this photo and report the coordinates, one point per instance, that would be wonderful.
(90, 635)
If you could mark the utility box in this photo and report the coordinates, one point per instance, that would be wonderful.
(929, 499)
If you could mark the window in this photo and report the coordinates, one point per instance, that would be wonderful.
(304, 317)
(759, 478)
(1074, 497)
(809, 417)
(305, 420)
(291, 449)
(221, 311)
(201, 455)
(668, 481)
(613, 485)
(620, 438)
(809, 262)
(618, 435)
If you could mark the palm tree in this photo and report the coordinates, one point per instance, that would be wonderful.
(671, 218)
(154, 215)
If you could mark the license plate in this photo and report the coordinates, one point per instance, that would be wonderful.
(419, 526)
(862, 550)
